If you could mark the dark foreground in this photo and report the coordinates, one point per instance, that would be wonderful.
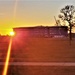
(39, 50)
(38, 70)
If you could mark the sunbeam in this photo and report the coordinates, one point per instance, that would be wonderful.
(7, 58)
(15, 9)
(10, 43)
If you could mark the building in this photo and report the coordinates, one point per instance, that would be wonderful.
(42, 31)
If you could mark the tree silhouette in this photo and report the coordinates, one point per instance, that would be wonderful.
(67, 14)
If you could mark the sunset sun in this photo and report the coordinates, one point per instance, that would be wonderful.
(12, 33)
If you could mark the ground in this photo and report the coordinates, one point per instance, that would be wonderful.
(40, 50)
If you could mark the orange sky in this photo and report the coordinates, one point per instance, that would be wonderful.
(24, 13)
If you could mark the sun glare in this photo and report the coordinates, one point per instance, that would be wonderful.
(12, 33)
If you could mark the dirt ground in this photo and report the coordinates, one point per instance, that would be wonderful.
(40, 50)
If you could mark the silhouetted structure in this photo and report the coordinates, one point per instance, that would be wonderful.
(42, 31)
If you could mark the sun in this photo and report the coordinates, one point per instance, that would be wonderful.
(12, 33)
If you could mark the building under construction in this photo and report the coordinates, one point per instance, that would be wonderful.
(42, 31)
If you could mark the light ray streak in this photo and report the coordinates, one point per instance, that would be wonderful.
(65, 64)
(15, 10)
(7, 58)
(9, 47)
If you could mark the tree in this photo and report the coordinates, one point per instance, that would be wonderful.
(67, 14)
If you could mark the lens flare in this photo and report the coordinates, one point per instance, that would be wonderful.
(12, 33)
(10, 43)
(7, 58)
(15, 10)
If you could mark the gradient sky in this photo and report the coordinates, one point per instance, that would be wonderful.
(24, 13)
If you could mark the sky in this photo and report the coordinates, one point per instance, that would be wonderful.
(28, 13)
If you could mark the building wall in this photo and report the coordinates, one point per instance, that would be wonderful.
(42, 31)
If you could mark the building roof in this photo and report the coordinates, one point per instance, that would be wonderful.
(40, 27)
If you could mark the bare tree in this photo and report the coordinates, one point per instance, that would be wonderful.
(68, 15)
